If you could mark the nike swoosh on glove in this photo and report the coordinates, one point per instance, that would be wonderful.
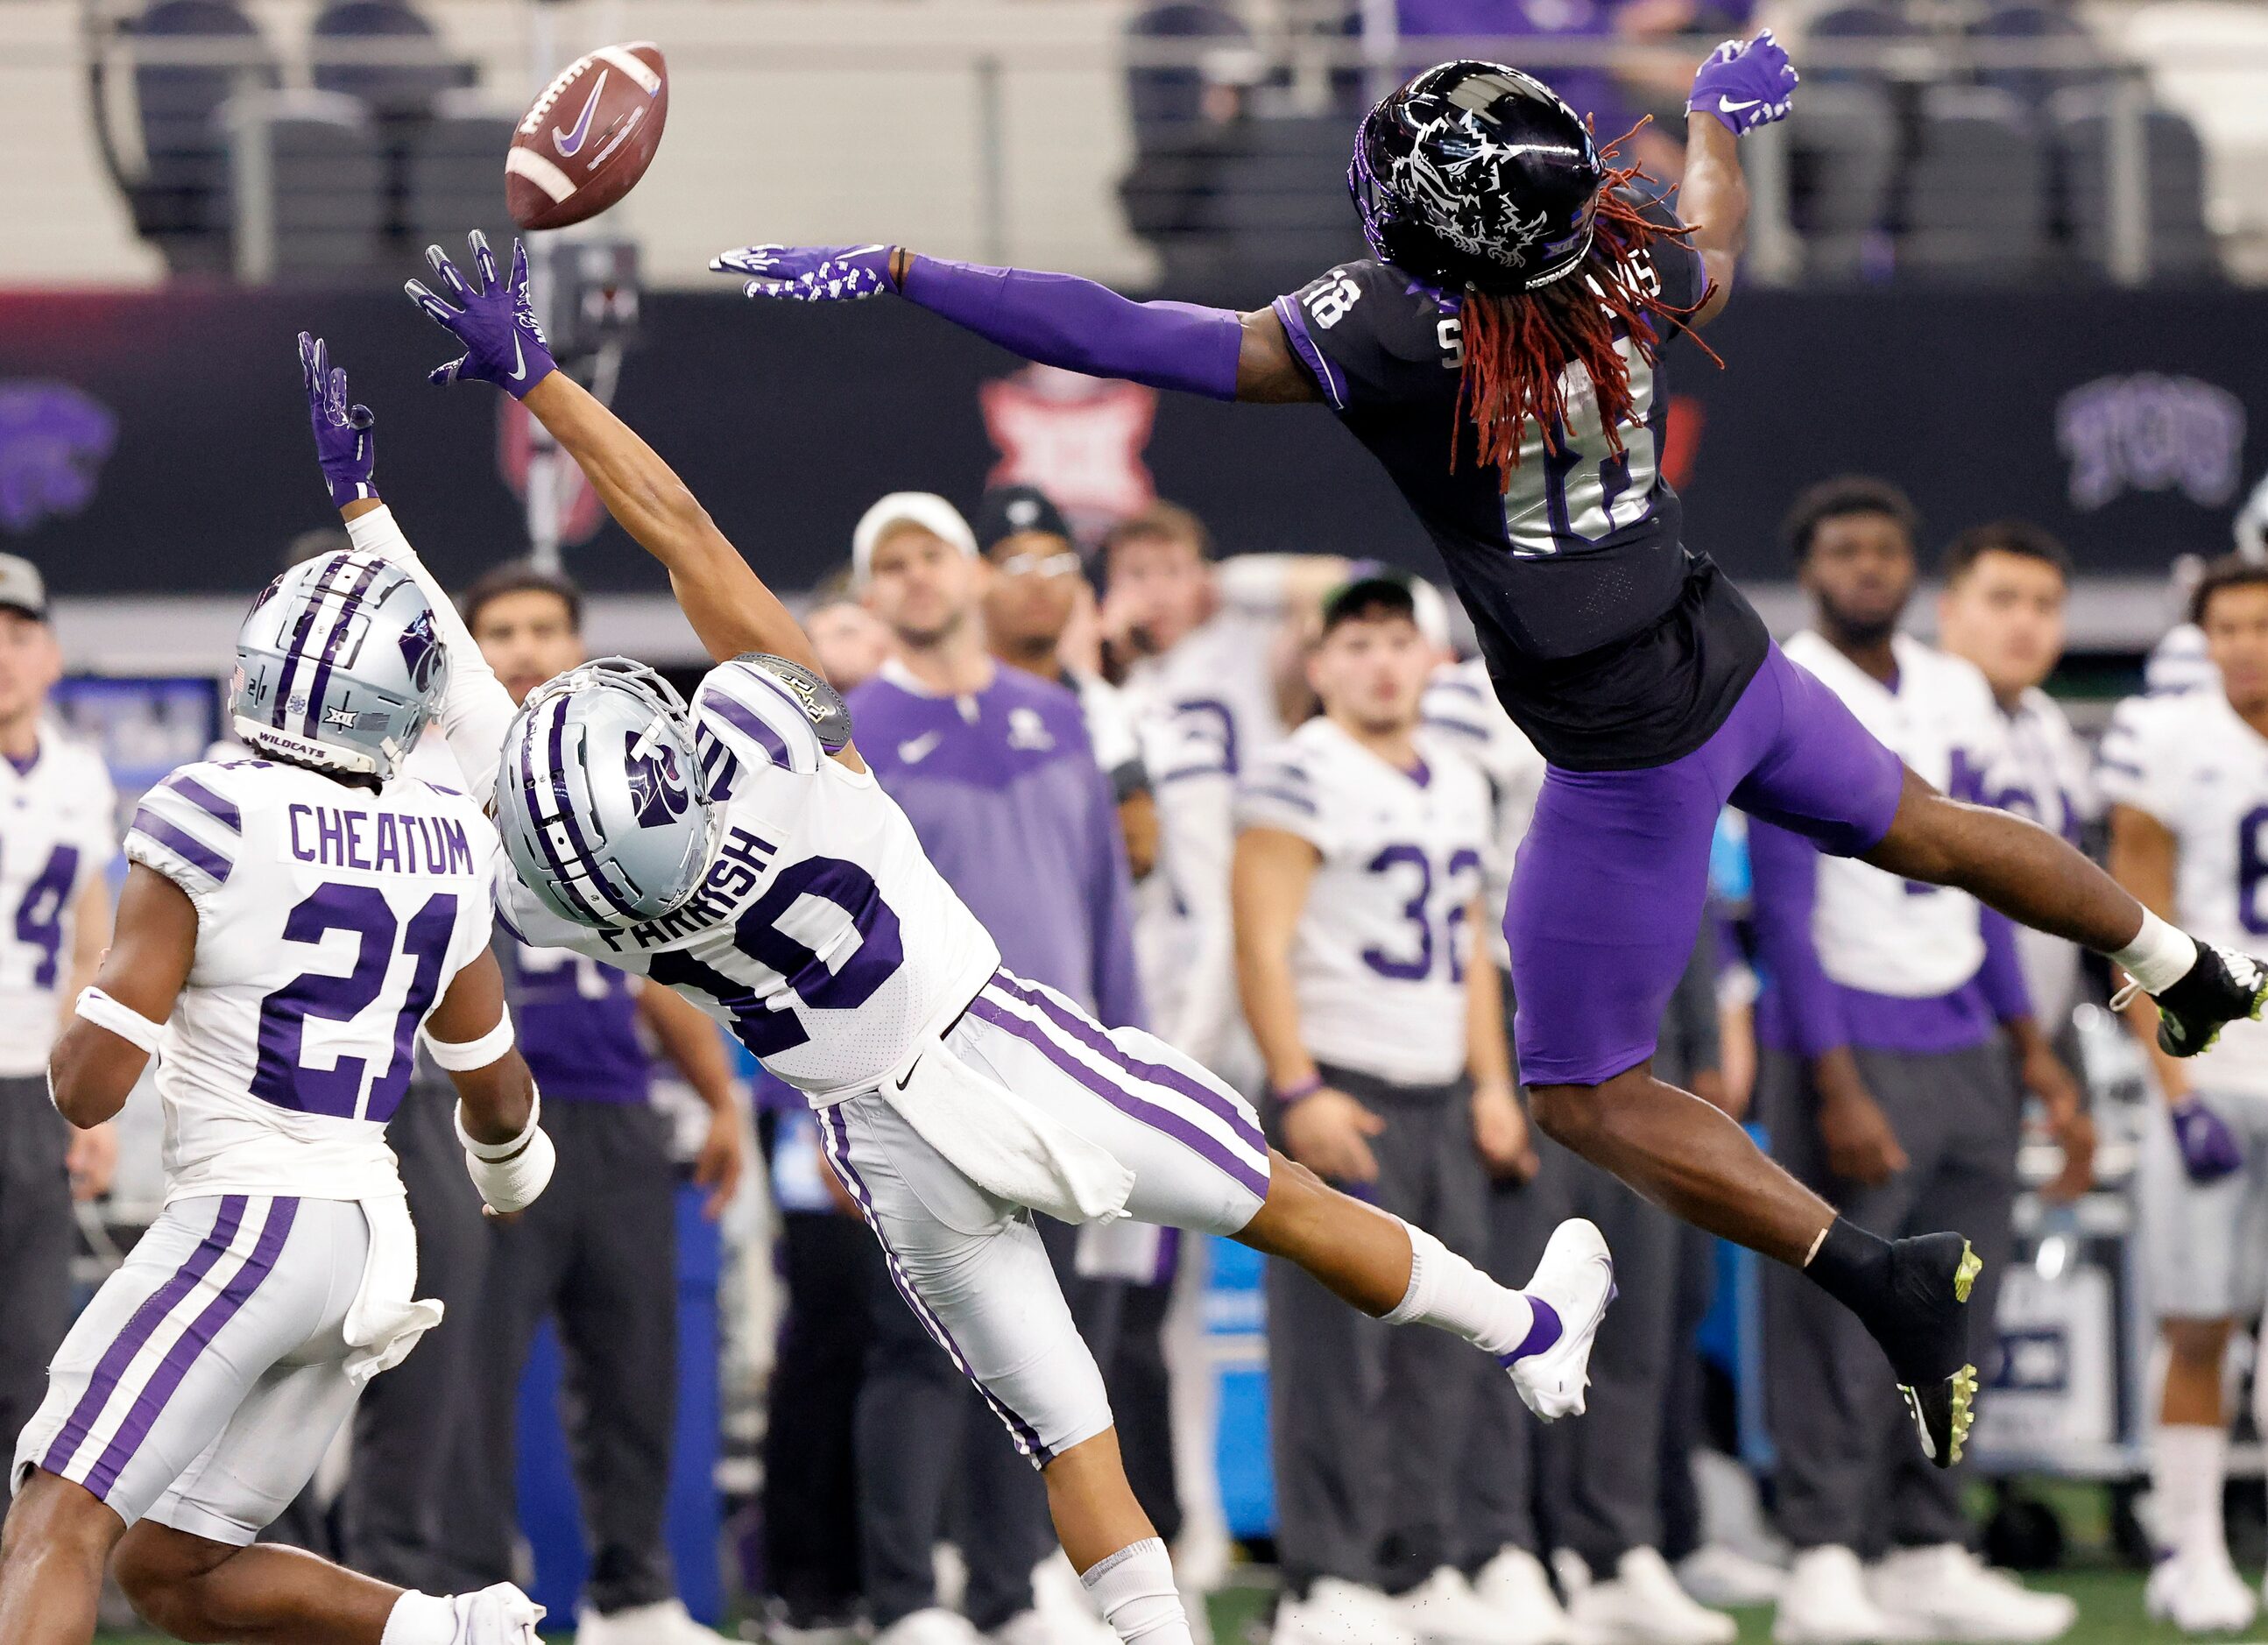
(495, 320)
(1745, 84)
(810, 274)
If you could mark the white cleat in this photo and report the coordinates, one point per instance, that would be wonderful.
(664, 1622)
(1826, 1603)
(1515, 1586)
(933, 1624)
(2199, 1591)
(497, 1615)
(1721, 1574)
(1641, 1603)
(1337, 1613)
(1577, 1280)
(1443, 1609)
(1947, 1592)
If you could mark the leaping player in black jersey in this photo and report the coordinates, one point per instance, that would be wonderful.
(1500, 355)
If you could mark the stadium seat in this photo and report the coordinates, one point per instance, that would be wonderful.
(1976, 199)
(452, 176)
(1848, 26)
(403, 90)
(179, 201)
(315, 160)
(1845, 139)
(1276, 213)
(2180, 246)
(2040, 26)
(1165, 101)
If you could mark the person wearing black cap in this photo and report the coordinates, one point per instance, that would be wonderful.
(58, 831)
(1360, 917)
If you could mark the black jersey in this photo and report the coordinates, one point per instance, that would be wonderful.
(1610, 644)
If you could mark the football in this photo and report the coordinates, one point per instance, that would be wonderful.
(589, 137)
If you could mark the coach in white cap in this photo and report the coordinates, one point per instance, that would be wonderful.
(57, 834)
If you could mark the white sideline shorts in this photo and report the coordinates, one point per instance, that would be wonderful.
(2204, 1242)
(205, 1380)
(972, 1264)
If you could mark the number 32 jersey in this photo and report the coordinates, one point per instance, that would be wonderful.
(330, 921)
(1608, 643)
(822, 939)
(2189, 763)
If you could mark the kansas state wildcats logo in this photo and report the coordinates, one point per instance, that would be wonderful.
(657, 790)
(421, 651)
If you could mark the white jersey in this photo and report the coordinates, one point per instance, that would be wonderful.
(330, 921)
(2189, 763)
(1460, 708)
(1219, 683)
(2044, 772)
(1379, 959)
(2179, 662)
(58, 831)
(822, 938)
(1874, 930)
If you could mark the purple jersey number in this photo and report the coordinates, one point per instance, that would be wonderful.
(768, 1030)
(1461, 875)
(280, 1077)
(39, 916)
(2251, 869)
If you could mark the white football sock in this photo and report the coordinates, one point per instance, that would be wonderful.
(1134, 1590)
(2187, 1463)
(420, 1620)
(1448, 1292)
(2158, 956)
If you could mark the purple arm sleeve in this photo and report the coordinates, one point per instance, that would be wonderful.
(1786, 870)
(1060, 319)
(2002, 974)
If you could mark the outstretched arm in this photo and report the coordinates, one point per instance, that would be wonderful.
(1743, 84)
(1057, 319)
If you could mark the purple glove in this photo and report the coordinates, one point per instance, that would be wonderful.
(1744, 83)
(810, 274)
(497, 324)
(342, 442)
(2209, 1148)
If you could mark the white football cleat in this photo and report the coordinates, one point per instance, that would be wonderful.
(2199, 1591)
(1826, 1603)
(1515, 1586)
(1577, 1280)
(497, 1615)
(1337, 1613)
(1641, 1603)
(1721, 1574)
(932, 1624)
(663, 1622)
(1443, 1609)
(1947, 1592)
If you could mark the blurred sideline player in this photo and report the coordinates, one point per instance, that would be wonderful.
(2186, 778)
(2006, 587)
(1901, 1045)
(849, 641)
(993, 768)
(290, 923)
(1499, 353)
(600, 1253)
(1359, 913)
(955, 1096)
(58, 833)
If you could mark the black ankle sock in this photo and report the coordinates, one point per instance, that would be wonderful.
(1852, 1267)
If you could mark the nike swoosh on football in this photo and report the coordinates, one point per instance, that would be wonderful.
(570, 144)
(914, 750)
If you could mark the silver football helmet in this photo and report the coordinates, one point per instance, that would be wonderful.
(338, 665)
(601, 799)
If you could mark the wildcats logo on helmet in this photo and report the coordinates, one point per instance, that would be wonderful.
(656, 789)
(421, 651)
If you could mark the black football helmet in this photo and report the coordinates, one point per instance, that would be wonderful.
(1475, 176)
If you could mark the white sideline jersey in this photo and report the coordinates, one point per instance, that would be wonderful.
(2189, 763)
(330, 921)
(2044, 772)
(1460, 708)
(1875, 931)
(58, 831)
(822, 938)
(1379, 957)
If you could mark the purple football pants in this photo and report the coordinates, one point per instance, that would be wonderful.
(1607, 895)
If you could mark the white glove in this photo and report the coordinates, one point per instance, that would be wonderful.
(510, 1175)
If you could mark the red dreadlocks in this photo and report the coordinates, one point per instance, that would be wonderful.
(1518, 346)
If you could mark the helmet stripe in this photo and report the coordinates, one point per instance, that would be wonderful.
(585, 856)
(306, 623)
(530, 790)
(348, 603)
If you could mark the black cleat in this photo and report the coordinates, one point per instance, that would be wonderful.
(1924, 1328)
(2223, 987)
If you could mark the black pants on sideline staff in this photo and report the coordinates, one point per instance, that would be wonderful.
(811, 1497)
(38, 1235)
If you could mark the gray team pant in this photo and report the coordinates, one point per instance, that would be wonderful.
(37, 1239)
(1850, 1474)
(1496, 1487)
(1369, 1420)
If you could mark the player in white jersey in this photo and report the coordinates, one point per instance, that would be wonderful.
(2186, 778)
(290, 923)
(58, 833)
(797, 907)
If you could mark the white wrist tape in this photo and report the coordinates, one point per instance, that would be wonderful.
(510, 1175)
(465, 1056)
(123, 1020)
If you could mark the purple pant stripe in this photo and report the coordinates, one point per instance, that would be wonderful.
(837, 1132)
(191, 1343)
(1133, 1103)
(146, 1320)
(1085, 1032)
